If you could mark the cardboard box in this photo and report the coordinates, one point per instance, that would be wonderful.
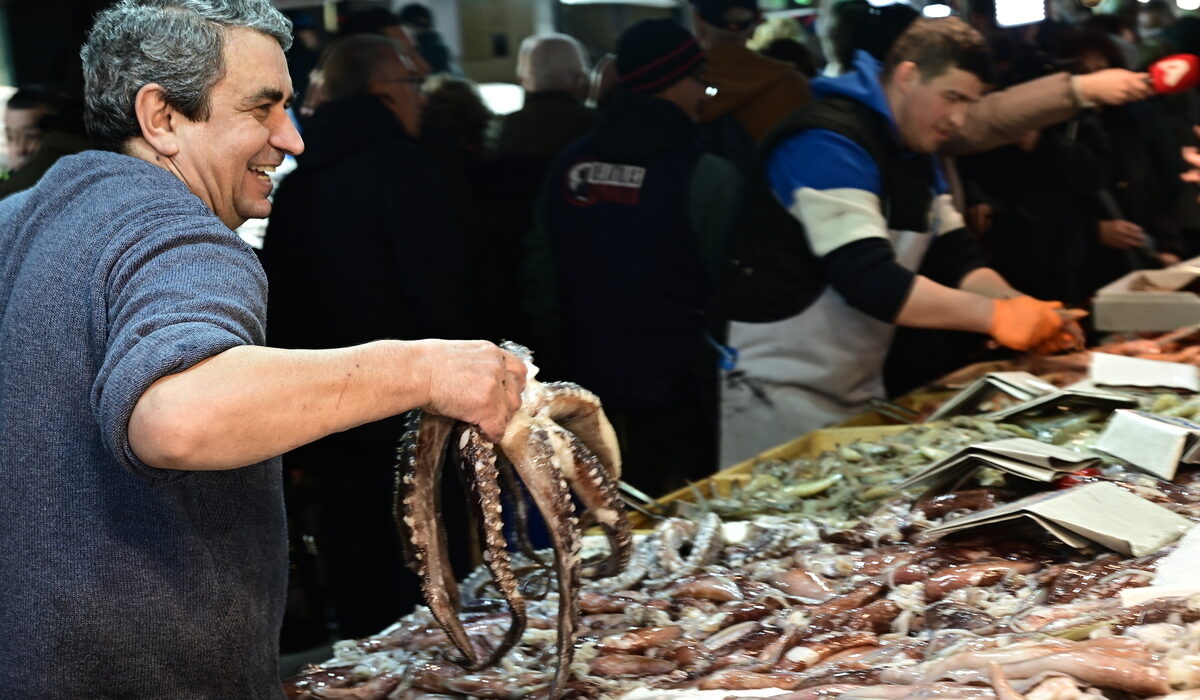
(1148, 300)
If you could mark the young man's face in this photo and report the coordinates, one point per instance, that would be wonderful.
(224, 160)
(928, 112)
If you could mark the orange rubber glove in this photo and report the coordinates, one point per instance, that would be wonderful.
(1024, 323)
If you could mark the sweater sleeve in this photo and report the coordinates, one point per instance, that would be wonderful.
(177, 290)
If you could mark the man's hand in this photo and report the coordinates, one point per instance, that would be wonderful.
(473, 381)
(1117, 233)
(1192, 155)
(1024, 323)
(1168, 259)
(1070, 338)
(1114, 86)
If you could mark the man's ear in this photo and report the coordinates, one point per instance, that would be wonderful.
(157, 119)
(906, 74)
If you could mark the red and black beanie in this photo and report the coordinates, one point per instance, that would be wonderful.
(654, 54)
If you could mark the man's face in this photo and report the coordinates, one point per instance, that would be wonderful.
(224, 160)
(692, 94)
(24, 136)
(930, 112)
(398, 84)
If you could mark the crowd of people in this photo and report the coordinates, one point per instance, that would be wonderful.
(728, 249)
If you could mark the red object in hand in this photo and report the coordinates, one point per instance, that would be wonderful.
(1175, 73)
(1082, 476)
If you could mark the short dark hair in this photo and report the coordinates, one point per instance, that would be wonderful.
(1093, 40)
(417, 15)
(34, 96)
(937, 45)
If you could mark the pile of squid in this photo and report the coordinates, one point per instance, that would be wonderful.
(844, 603)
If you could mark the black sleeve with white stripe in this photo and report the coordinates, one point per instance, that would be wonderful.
(865, 272)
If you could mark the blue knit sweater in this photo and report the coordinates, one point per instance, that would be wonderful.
(119, 580)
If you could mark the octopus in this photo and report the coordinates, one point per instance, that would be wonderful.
(559, 443)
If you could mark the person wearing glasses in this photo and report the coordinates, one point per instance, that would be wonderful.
(629, 233)
(360, 245)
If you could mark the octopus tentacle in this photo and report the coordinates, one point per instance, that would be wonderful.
(418, 507)
(590, 482)
(578, 410)
(478, 466)
(521, 509)
(537, 455)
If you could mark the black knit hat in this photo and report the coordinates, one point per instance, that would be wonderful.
(654, 54)
(734, 15)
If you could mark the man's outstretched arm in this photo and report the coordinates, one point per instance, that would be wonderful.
(250, 403)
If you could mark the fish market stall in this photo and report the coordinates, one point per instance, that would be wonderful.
(999, 556)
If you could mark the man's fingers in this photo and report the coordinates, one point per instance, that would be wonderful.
(493, 430)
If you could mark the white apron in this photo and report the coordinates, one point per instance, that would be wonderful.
(808, 371)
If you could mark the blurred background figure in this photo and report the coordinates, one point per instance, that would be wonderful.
(604, 79)
(305, 53)
(751, 93)
(553, 70)
(380, 20)
(454, 107)
(418, 21)
(786, 39)
(41, 125)
(361, 245)
(22, 123)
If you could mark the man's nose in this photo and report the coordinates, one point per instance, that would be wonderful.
(285, 137)
(958, 115)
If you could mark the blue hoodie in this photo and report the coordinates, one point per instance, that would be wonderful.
(842, 162)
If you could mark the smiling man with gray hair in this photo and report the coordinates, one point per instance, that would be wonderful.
(141, 416)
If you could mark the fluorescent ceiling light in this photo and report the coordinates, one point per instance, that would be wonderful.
(936, 10)
(1014, 13)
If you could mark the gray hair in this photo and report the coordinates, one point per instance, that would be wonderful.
(178, 44)
(551, 62)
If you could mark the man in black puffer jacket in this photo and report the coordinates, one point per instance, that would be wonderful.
(631, 227)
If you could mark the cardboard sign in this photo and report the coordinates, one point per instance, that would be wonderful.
(1065, 399)
(1022, 457)
(1118, 370)
(1100, 513)
(1156, 444)
(1021, 386)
